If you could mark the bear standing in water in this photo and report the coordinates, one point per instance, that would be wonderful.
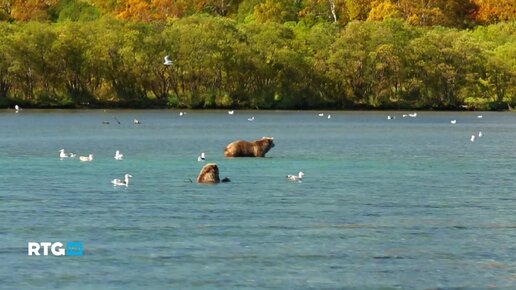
(256, 148)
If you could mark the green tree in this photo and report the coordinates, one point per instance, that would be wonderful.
(34, 66)
(79, 78)
(5, 60)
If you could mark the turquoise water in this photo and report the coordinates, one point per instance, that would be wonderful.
(409, 203)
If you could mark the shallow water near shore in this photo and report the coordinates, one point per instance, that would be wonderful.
(409, 203)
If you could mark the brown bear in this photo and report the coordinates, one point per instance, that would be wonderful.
(242, 148)
(210, 174)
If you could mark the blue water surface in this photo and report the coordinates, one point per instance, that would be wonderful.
(409, 203)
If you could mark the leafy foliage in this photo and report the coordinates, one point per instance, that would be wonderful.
(258, 53)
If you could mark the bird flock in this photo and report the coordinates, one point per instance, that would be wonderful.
(472, 138)
(202, 156)
(89, 158)
(119, 156)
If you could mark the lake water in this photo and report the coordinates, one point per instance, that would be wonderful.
(409, 203)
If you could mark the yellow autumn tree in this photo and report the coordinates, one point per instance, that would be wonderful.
(163, 9)
(491, 11)
(26, 10)
(383, 10)
(136, 10)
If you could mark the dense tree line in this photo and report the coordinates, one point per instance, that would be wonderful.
(456, 13)
(258, 54)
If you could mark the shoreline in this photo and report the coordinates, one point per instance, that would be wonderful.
(247, 109)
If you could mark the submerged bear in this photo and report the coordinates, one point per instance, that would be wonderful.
(256, 148)
(210, 174)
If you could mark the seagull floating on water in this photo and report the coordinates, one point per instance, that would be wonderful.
(181, 114)
(167, 60)
(118, 156)
(413, 115)
(63, 155)
(391, 117)
(321, 115)
(86, 158)
(251, 119)
(136, 121)
(480, 134)
(453, 121)
(298, 177)
(472, 139)
(17, 108)
(231, 112)
(329, 116)
(120, 182)
(480, 116)
(201, 157)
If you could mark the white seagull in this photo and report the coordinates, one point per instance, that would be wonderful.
(201, 157)
(181, 114)
(413, 115)
(124, 182)
(118, 156)
(329, 116)
(298, 177)
(480, 116)
(231, 112)
(251, 119)
(321, 115)
(472, 139)
(391, 117)
(453, 121)
(136, 121)
(62, 154)
(86, 158)
(480, 134)
(167, 60)
(17, 108)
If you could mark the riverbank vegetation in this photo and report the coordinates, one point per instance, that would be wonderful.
(259, 54)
